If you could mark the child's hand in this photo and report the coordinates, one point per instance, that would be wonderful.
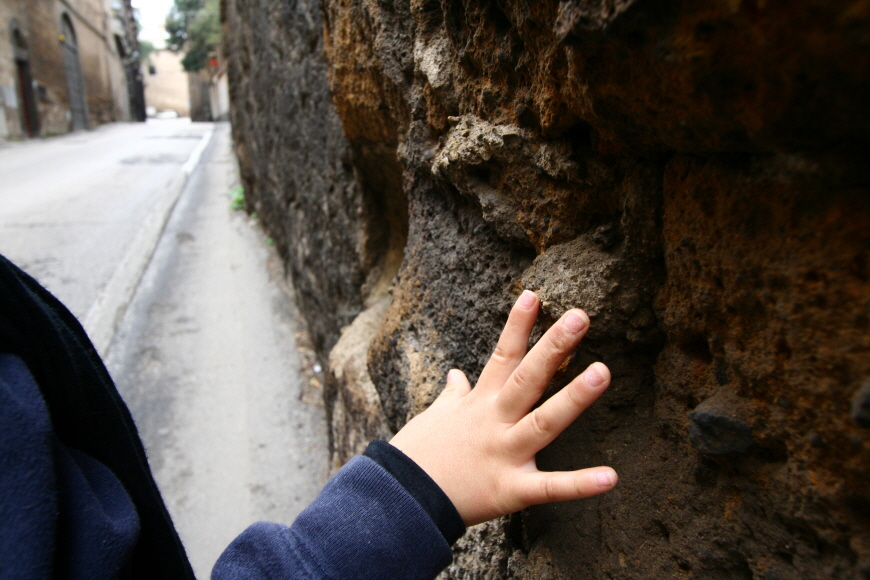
(479, 445)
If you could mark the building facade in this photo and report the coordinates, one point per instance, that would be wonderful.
(202, 95)
(166, 84)
(67, 65)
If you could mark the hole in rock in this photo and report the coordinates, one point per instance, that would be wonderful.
(696, 347)
(581, 137)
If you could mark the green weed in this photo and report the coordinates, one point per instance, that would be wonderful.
(237, 198)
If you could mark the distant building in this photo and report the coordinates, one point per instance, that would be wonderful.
(209, 92)
(166, 84)
(67, 65)
(201, 95)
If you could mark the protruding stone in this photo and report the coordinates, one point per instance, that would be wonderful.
(861, 406)
(607, 236)
(716, 432)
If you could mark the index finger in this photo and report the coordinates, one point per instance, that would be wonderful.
(527, 382)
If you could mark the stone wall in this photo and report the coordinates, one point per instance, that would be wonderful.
(692, 174)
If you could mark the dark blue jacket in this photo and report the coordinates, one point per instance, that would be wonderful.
(64, 514)
(78, 501)
(88, 441)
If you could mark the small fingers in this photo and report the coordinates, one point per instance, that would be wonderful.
(537, 429)
(527, 382)
(545, 487)
(512, 344)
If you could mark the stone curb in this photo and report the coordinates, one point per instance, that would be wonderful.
(102, 320)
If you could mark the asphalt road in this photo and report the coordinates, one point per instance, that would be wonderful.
(200, 340)
(70, 206)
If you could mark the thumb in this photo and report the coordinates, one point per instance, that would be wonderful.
(545, 487)
(457, 385)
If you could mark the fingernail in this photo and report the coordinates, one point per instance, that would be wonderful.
(527, 299)
(452, 375)
(593, 377)
(576, 321)
(605, 478)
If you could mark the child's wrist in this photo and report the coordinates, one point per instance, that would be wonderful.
(421, 486)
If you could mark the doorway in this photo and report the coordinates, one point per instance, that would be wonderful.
(135, 90)
(28, 112)
(74, 78)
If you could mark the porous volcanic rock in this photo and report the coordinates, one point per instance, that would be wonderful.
(693, 174)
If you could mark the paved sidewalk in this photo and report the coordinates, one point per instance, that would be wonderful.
(206, 359)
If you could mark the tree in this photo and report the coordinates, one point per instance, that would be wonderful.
(194, 27)
(146, 48)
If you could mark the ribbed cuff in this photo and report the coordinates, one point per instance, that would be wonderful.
(422, 487)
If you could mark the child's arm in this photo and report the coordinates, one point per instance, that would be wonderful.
(479, 445)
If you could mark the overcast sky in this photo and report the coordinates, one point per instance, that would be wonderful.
(152, 16)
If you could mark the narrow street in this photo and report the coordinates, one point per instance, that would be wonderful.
(204, 354)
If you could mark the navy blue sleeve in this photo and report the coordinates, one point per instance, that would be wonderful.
(418, 483)
(363, 525)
